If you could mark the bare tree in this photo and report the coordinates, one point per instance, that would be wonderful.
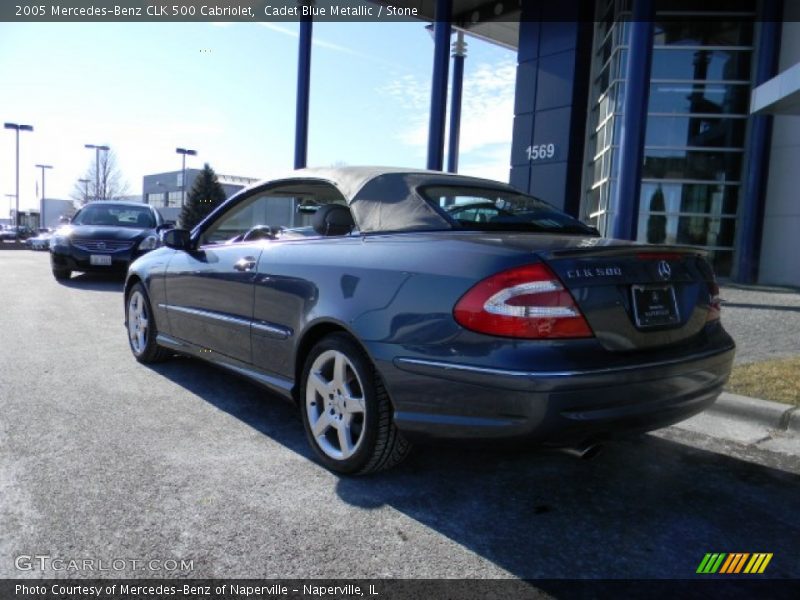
(112, 184)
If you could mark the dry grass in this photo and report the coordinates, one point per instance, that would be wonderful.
(777, 380)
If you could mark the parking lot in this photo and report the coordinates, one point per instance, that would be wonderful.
(104, 458)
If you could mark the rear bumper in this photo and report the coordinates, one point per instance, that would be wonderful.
(449, 400)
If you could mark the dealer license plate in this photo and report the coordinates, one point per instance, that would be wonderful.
(100, 260)
(655, 305)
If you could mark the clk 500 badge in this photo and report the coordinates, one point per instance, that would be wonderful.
(595, 272)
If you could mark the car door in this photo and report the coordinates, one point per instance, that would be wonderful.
(289, 271)
(209, 291)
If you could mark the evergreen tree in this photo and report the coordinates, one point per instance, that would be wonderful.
(206, 194)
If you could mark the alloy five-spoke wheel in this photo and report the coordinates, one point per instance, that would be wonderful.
(137, 322)
(335, 405)
(142, 326)
(346, 410)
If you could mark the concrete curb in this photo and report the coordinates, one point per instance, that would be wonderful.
(773, 415)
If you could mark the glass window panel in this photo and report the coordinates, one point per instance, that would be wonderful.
(690, 164)
(672, 198)
(706, 231)
(715, 65)
(699, 98)
(722, 262)
(653, 229)
(700, 132)
(712, 199)
(703, 33)
(693, 5)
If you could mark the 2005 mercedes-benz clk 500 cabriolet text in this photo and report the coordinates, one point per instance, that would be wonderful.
(394, 305)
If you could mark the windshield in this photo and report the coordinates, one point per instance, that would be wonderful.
(115, 216)
(489, 209)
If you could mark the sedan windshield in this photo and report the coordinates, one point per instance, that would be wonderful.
(489, 209)
(115, 216)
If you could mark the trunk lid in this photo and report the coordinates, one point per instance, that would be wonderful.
(636, 296)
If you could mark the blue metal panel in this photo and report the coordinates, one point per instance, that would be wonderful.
(441, 63)
(529, 31)
(522, 138)
(550, 102)
(303, 91)
(751, 217)
(557, 37)
(634, 122)
(547, 182)
(556, 74)
(525, 88)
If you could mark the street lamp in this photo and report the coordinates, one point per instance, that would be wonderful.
(97, 167)
(85, 183)
(17, 127)
(184, 152)
(41, 202)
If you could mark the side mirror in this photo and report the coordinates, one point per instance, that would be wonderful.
(164, 226)
(178, 239)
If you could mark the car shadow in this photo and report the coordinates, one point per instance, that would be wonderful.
(96, 282)
(646, 507)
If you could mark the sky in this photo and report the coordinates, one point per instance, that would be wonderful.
(228, 91)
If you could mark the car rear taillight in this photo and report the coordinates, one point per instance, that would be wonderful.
(714, 302)
(524, 302)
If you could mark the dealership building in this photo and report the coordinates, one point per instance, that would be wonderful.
(664, 121)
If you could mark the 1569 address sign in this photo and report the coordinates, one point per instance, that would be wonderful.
(541, 151)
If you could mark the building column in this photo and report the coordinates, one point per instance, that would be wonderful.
(441, 63)
(754, 179)
(303, 91)
(625, 203)
(553, 64)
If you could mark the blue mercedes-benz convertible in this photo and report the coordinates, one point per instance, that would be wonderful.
(394, 305)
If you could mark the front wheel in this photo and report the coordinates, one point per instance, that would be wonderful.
(62, 274)
(142, 327)
(346, 410)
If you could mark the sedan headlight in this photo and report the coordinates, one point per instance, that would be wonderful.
(149, 243)
(59, 240)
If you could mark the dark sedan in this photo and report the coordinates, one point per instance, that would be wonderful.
(104, 237)
(402, 318)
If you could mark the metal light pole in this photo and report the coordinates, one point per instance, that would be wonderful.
(17, 127)
(97, 167)
(41, 202)
(183, 152)
(85, 183)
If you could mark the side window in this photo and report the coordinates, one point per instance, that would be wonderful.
(280, 212)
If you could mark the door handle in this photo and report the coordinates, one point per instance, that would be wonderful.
(248, 263)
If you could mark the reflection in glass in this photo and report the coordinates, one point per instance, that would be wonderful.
(657, 223)
(698, 132)
(699, 98)
(703, 65)
(692, 164)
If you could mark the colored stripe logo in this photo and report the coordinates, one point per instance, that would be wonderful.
(734, 563)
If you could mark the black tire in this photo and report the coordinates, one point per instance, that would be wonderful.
(62, 274)
(379, 445)
(144, 346)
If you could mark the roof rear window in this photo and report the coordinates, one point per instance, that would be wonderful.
(489, 209)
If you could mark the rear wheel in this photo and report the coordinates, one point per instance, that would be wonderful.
(346, 410)
(142, 327)
(62, 274)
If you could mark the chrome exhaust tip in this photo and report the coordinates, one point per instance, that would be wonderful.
(583, 451)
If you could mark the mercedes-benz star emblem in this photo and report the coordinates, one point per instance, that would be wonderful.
(664, 270)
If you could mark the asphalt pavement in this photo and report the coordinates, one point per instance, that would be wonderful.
(104, 458)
